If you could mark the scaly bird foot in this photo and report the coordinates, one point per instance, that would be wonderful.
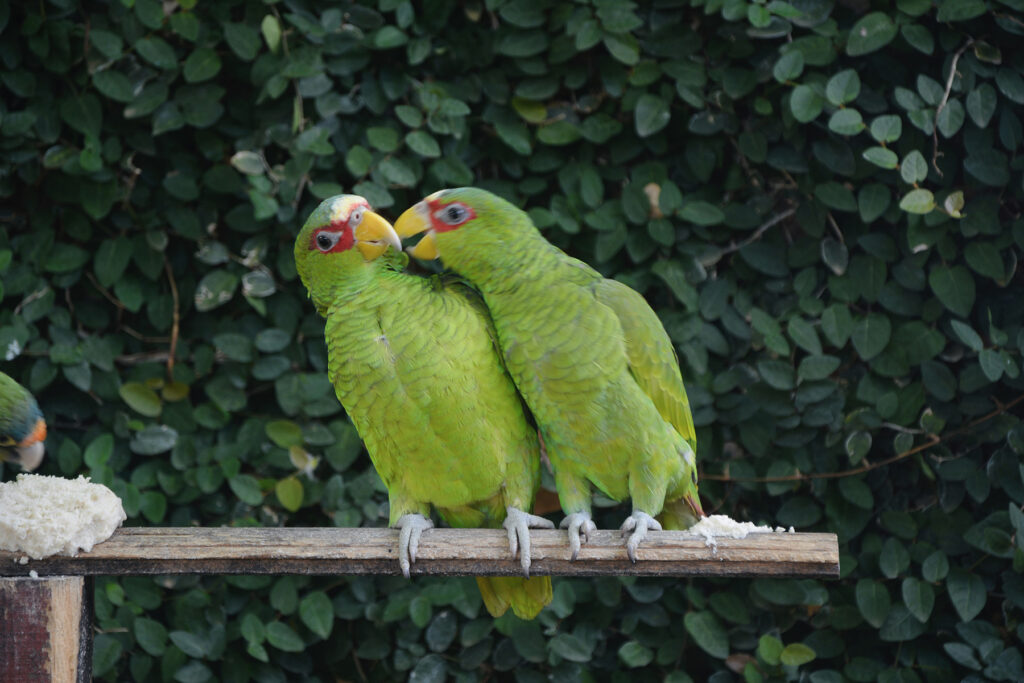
(518, 525)
(410, 527)
(638, 523)
(579, 524)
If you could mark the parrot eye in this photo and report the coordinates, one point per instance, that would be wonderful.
(356, 217)
(453, 214)
(325, 241)
(694, 476)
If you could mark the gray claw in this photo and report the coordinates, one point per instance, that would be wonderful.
(638, 523)
(410, 527)
(518, 524)
(579, 524)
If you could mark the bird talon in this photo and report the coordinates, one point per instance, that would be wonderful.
(518, 525)
(580, 527)
(636, 526)
(410, 527)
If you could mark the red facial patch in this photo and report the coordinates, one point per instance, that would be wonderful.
(440, 225)
(38, 434)
(338, 232)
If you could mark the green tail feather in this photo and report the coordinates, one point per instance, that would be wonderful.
(526, 597)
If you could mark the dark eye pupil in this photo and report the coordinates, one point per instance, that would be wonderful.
(323, 241)
(454, 213)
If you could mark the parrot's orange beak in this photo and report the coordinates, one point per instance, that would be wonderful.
(415, 220)
(694, 502)
(374, 235)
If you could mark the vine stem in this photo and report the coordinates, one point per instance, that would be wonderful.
(942, 104)
(176, 320)
(935, 440)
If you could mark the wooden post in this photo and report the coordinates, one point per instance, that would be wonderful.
(45, 629)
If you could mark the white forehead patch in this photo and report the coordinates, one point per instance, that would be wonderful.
(342, 207)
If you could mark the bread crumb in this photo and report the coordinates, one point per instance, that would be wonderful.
(45, 516)
(723, 526)
(33, 574)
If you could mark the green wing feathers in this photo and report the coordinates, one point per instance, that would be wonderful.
(650, 354)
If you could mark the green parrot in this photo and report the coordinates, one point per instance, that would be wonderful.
(414, 362)
(22, 427)
(593, 361)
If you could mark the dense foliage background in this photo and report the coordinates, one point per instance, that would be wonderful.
(822, 200)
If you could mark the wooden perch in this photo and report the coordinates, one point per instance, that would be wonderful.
(442, 552)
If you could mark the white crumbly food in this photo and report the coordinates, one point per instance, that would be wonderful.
(33, 574)
(42, 516)
(723, 526)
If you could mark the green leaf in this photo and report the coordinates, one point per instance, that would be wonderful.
(151, 635)
(558, 133)
(984, 258)
(281, 636)
(215, 289)
(247, 488)
(153, 439)
(284, 433)
(701, 213)
(846, 122)
(423, 143)
(569, 647)
(201, 65)
(954, 287)
(651, 115)
(914, 168)
(991, 364)
(796, 654)
(708, 633)
(189, 643)
(243, 40)
(270, 27)
(141, 399)
(858, 444)
(317, 613)
(950, 118)
(802, 332)
(789, 66)
(623, 47)
(805, 103)
(814, 368)
(289, 492)
(967, 592)
(843, 87)
(872, 201)
(872, 32)
(981, 104)
(967, 335)
(918, 201)
(769, 648)
(871, 335)
(960, 10)
(887, 128)
(919, 598)
(989, 166)
(873, 601)
(157, 52)
(880, 156)
(634, 655)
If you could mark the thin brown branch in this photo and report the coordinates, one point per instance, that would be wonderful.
(943, 102)
(175, 320)
(771, 222)
(933, 441)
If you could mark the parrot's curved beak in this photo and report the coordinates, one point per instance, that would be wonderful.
(415, 220)
(693, 501)
(30, 456)
(374, 235)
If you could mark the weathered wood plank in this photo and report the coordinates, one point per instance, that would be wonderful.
(446, 552)
(45, 630)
